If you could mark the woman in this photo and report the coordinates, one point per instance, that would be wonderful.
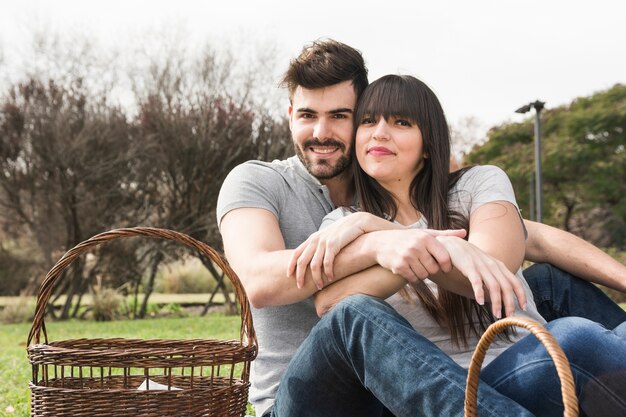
(402, 182)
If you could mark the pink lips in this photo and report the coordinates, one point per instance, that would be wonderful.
(379, 151)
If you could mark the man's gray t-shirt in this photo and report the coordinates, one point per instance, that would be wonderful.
(299, 202)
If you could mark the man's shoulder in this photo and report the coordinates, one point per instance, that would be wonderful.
(256, 166)
(255, 169)
(252, 184)
(261, 184)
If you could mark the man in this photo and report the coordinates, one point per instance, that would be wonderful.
(347, 364)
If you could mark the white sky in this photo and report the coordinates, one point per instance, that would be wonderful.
(484, 58)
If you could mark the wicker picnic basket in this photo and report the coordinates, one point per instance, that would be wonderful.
(568, 389)
(101, 377)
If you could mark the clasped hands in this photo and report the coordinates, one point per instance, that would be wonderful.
(414, 254)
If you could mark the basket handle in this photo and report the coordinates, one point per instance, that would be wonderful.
(45, 291)
(568, 389)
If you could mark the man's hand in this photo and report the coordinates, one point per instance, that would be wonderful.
(321, 248)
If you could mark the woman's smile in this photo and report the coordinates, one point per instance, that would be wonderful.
(379, 151)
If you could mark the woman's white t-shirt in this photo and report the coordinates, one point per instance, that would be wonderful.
(478, 186)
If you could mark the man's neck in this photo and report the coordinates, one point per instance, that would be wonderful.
(341, 189)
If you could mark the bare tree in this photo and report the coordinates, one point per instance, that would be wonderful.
(64, 169)
(466, 133)
(74, 163)
(195, 132)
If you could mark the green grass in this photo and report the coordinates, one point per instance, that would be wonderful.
(155, 298)
(15, 370)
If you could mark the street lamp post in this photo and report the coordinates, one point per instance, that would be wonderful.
(538, 106)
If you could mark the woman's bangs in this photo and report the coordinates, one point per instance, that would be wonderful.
(389, 97)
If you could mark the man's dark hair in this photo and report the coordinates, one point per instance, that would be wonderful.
(324, 63)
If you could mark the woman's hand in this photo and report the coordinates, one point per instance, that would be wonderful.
(485, 271)
(414, 254)
(321, 248)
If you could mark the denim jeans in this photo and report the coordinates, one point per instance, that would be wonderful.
(559, 294)
(524, 372)
(364, 359)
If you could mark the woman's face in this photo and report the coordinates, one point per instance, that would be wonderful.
(390, 151)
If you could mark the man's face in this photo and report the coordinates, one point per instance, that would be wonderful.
(321, 127)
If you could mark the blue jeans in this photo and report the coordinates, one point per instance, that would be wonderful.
(364, 359)
(525, 373)
(559, 294)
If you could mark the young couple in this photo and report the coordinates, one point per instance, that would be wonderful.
(365, 357)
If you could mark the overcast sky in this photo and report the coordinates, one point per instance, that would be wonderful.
(484, 58)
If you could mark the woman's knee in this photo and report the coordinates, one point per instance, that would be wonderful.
(579, 336)
(538, 271)
(620, 330)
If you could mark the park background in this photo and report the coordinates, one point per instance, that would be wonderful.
(125, 113)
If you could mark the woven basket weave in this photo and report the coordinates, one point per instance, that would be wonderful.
(568, 389)
(100, 377)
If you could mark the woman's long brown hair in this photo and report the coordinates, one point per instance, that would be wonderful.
(408, 97)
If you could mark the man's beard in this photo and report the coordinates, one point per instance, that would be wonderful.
(323, 169)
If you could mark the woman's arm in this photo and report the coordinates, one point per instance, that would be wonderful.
(354, 237)
(375, 281)
(469, 261)
(474, 268)
(484, 266)
(487, 261)
(495, 229)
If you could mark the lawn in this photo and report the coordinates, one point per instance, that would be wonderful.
(155, 298)
(15, 370)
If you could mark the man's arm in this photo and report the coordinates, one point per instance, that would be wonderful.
(255, 249)
(574, 255)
